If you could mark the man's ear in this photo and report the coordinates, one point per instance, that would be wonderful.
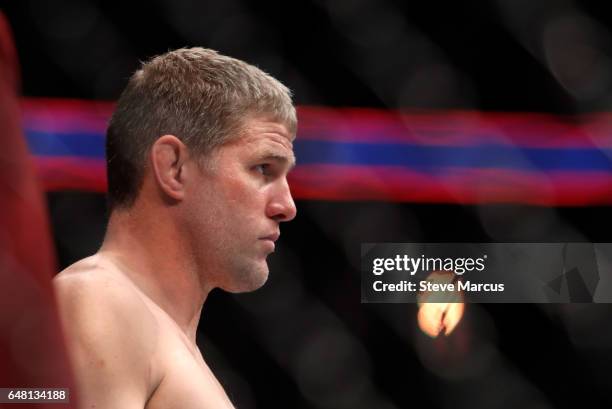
(168, 158)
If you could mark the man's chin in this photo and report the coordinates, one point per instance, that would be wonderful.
(251, 281)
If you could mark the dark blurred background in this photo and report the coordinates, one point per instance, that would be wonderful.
(305, 340)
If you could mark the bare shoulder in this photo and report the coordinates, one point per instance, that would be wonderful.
(111, 335)
(90, 289)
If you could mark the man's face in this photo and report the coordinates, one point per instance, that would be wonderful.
(238, 203)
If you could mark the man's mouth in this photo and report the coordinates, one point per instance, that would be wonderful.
(272, 237)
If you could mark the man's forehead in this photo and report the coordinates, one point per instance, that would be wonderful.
(263, 139)
(262, 126)
(268, 133)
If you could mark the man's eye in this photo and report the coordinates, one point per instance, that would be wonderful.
(263, 169)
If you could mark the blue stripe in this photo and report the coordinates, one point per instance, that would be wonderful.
(430, 158)
(418, 157)
(88, 145)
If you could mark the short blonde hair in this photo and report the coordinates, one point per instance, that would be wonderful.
(196, 94)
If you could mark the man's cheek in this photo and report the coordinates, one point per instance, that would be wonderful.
(242, 190)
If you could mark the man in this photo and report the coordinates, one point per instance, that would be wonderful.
(198, 151)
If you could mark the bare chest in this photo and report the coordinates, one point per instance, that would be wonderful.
(186, 380)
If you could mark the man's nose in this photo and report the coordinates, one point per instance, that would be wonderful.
(281, 207)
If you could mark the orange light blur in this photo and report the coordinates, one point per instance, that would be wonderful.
(437, 317)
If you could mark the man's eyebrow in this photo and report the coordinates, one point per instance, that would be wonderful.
(267, 155)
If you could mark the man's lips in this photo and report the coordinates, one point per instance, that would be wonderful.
(272, 237)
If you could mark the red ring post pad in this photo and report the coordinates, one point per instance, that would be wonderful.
(458, 157)
(486, 272)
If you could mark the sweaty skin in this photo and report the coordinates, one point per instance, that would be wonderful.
(130, 312)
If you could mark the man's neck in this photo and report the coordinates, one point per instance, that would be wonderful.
(150, 255)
